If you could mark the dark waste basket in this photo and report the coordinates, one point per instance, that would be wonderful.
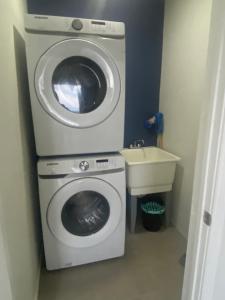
(152, 215)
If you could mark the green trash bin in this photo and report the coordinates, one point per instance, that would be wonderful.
(152, 215)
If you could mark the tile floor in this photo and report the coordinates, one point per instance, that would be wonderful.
(149, 270)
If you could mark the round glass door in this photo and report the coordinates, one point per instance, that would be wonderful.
(77, 83)
(84, 212)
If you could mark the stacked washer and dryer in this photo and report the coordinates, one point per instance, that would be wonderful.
(76, 71)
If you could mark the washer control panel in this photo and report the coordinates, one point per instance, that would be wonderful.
(103, 163)
(97, 164)
(81, 165)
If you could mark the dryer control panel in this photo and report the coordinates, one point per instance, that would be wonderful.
(75, 26)
(81, 165)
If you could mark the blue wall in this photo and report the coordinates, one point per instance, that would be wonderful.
(144, 33)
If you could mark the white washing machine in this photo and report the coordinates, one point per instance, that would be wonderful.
(76, 70)
(82, 209)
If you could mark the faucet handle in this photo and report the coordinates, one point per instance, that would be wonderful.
(143, 142)
(139, 143)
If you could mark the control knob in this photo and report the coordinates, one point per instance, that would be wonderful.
(77, 24)
(84, 165)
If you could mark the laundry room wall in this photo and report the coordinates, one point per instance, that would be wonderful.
(19, 225)
(144, 33)
(185, 48)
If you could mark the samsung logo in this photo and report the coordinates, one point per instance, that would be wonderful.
(52, 164)
(40, 17)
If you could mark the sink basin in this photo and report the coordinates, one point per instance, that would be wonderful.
(149, 170)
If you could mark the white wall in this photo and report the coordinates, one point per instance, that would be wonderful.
(185, 45)
(18, 189)
(5, 288)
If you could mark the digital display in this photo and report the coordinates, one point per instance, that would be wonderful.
(102, 160)
(98, 23)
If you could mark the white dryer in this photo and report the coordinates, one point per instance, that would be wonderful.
(82, 209)
(76, 70)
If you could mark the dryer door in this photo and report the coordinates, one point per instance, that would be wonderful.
(84, 212)
(77, 83)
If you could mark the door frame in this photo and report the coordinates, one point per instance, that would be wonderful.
(204, 241)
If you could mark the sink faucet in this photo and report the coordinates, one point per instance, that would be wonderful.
(137, 144)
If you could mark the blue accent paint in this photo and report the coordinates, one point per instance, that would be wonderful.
(144, 34)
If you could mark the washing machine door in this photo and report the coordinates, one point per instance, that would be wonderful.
(77, 83)
(84, 212)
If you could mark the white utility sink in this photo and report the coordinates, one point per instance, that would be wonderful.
(149, 170)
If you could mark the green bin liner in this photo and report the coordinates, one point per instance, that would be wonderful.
(153, 208)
